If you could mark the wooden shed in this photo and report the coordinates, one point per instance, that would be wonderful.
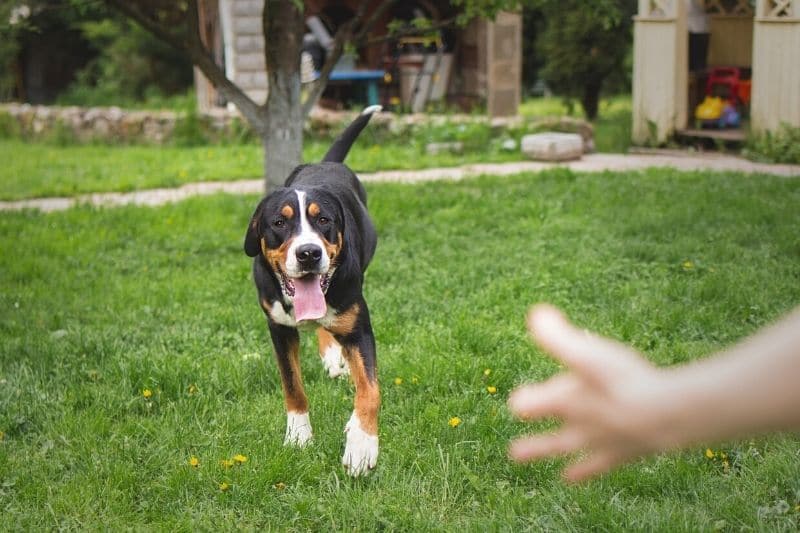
(759, 40)
(484, 60)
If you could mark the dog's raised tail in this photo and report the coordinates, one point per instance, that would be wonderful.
(342, 144)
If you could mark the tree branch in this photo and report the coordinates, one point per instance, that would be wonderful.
(408, 30)
(198, 54)
(130, 11)
(205, 62)
(343, 35)
(373, 19)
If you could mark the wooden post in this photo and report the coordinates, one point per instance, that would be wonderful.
(776, 65)
(660, 70)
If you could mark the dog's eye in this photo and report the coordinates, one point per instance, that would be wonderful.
(279, 223)
(323, 221)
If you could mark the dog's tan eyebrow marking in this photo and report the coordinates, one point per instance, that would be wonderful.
(313, 209)
(287, 211)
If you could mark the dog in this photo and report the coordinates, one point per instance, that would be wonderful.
(312, 241)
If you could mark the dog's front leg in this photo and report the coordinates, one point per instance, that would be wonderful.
(358, 346)
(286, 341)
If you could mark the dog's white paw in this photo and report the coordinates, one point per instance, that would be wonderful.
(333, 361)
(360, 450)
(298, 429)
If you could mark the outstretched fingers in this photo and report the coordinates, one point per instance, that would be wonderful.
(537, 400)
(594, 358)
(564, 442)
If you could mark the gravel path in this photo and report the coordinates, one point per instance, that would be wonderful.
(588, 163)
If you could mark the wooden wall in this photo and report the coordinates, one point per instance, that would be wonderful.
(660, 70)
(776, 65)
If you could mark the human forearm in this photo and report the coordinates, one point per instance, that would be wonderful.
(754, 387)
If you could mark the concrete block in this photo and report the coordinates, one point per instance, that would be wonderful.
(552, 146)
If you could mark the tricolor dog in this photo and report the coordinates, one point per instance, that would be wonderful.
(311, 241)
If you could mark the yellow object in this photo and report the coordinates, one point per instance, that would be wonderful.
(710, 109)
(239, 458)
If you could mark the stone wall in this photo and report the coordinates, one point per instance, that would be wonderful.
(109, 124)
(115, 125)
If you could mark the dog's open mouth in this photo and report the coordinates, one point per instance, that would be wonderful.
(307, 294)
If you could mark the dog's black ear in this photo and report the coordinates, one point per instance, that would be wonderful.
(338, 151)
(252, 241)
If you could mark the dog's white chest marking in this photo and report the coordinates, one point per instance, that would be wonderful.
(279, 315)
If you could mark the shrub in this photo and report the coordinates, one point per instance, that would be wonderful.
(9, 127)
(190, 129)
(782, 146)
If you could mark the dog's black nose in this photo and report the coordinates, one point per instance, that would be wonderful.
(308, 255)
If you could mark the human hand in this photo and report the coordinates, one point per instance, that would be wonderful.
(613, 403)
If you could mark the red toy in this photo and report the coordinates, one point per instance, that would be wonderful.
(728, 84)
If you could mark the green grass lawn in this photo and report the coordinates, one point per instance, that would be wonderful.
(47, 169)
(39, 170)
(100, 304)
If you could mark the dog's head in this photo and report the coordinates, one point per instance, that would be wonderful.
(300, 233)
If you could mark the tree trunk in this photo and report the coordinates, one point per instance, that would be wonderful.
(283, 135)
(282, 139)
(590, 100)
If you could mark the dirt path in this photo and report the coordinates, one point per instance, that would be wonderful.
(588, 163)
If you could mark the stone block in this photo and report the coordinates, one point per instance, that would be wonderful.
(552, 146)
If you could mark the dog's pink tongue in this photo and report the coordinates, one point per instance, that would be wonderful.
(309, 302)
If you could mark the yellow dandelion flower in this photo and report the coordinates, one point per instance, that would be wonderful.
(147, 393)
(688, 265)
(398, 381)
(224, 486)
(226, 463)
(280, 485)
(709, 453)
(239, 458)
(487, 371)
(414, 380)
(192, 388)
(491, 389)
(454, 422)
(194, 461)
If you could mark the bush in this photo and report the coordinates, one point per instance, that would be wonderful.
(782, 146)
(131, 66)
(9, 127)
(190, 129)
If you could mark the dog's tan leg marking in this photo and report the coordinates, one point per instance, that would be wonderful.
(298, 426)
(361, 446)
(345, 322)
